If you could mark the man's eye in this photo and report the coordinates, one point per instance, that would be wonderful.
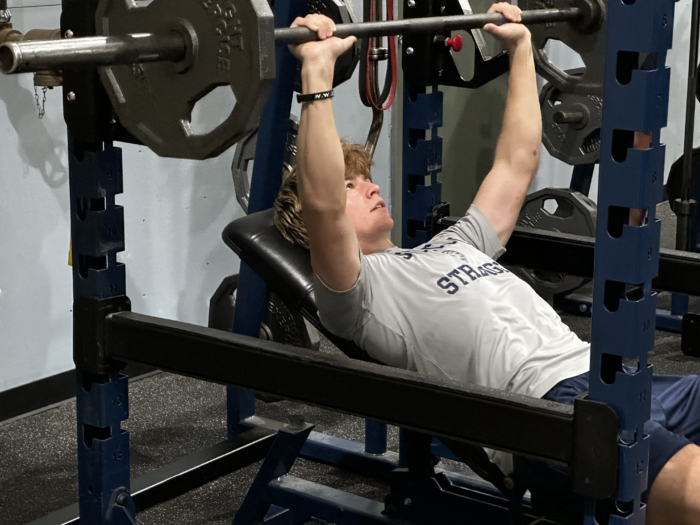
(348, 186)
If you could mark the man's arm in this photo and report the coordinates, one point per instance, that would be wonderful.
(503, 191)
(332, 240)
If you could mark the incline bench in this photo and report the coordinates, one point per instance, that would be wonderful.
(286, 269)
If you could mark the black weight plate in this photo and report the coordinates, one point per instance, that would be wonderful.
(575, 213)
(340, 13)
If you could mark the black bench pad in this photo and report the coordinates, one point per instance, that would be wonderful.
(285, 267)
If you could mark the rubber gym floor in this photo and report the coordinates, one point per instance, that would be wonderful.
(172, 416)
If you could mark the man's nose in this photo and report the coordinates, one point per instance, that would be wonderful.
(371, 189)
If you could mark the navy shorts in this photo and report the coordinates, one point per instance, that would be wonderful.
(674, 423)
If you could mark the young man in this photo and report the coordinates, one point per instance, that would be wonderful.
(446, 308)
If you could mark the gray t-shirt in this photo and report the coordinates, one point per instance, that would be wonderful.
(447, 309)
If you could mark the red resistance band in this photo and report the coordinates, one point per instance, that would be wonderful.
(392, 60)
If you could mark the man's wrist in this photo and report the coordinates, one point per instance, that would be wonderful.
(316, 76)
(524, 43)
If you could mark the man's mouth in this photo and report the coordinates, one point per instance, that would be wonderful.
(379, 205)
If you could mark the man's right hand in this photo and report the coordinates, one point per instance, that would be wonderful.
(512, 33)
(328, 48)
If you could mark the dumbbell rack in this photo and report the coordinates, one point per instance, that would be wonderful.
(621, 330)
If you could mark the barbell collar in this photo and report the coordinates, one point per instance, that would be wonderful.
(436, 24)
(40, 55)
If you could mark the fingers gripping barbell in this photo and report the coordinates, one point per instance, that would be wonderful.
(157, 61)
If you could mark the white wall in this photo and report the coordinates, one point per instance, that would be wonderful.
(175, 211)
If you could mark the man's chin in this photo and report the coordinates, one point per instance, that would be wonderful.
(387, 224)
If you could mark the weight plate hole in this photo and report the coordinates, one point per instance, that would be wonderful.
(562, 56)
(211, 110)
(556, 208)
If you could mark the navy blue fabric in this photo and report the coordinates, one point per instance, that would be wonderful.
(674, 423)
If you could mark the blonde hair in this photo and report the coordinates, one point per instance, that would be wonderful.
(288, 216)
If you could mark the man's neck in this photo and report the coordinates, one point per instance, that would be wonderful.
(368, 247)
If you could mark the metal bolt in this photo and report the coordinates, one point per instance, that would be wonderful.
(509, 482)
(582, 308)
(409, 50)
(123, 499)
(5, 16)
(407, 501)
(70, 96)
(68, 34)
(411, 3)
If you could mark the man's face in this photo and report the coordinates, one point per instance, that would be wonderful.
(367, 210)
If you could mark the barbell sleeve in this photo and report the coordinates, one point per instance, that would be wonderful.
(568, 117)
(40, 55)
(435, 24)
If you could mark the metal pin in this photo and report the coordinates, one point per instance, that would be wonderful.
(70, 96)
(68, 34)
(568, 117)
(409, 50)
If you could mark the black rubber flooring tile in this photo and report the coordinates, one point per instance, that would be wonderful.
(170, 417)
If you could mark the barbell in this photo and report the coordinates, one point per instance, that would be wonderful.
(156, 62)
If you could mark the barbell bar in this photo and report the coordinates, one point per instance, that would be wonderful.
(52, 55)
(171, 46)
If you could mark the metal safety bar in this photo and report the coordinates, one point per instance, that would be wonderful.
(679, 271)
(510, 422)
